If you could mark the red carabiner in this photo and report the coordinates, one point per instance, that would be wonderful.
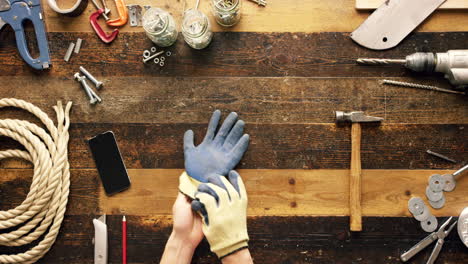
(93, 19)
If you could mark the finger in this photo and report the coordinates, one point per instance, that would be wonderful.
(204, 188)
(234, 180)
(234, 135)
(240, 148)
(188, 140)
(222, 193)
(198, 207)
(213, 125)
(242, 190)
(216, 180)
(232, 192)
(226, 128)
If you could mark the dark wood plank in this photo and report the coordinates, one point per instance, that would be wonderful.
(327, 54)
(258, 100)
(282, 146)
(288, 240)
(83, 198)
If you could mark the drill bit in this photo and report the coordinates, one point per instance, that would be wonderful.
(440, 156)
(370, 61)
(420, 86)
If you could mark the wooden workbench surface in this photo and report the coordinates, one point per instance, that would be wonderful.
(285, 69)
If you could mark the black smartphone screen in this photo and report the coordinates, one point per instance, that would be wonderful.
(109, 162)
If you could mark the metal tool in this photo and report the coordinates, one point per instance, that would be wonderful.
(123, 15)
(259, 2)
(392, 22)
(100, 240)
(356, 118)
(148, 57)
(451, 179)
(440, 156)
(104, 13)
(104, 5)
(440, 235)
(88, 75)
(73, 11)
(453, 64)
(463, 226)
(93, 19)
(15, 13)
(421, 86)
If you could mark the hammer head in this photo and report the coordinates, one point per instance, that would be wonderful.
(355, 117)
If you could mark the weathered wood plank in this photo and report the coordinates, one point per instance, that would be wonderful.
(258, 100)
(230, 54)
(291, 240)
(293, 193)
(294, 16)
(282, 146)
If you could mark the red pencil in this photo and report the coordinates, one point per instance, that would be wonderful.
(124, 240)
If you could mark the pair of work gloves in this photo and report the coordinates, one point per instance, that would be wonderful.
(218, 192)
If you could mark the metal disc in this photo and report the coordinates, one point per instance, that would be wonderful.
(439, 204)
(463, 226)
(424, 216)
(450, 182)
(436, 182)
(416, 206)
(433, 196)
(430, 225)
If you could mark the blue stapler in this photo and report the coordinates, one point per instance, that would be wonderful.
(14, 13)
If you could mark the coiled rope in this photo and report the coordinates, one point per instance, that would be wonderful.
(43, 209)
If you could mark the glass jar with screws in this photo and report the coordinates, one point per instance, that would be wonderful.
(196, 29)
(160, 27)
(227, 12)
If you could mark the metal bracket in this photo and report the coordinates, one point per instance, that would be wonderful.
(134, 12)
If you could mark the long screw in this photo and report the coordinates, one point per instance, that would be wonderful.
(440, 156)
(88, 75)
(421, 86)
(98, 7)
(82, 80)
(260, 2)
(153, 56)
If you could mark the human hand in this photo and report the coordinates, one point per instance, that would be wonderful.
(224, 212)
(218, 154)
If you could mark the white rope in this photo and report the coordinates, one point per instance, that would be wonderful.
(43, 209)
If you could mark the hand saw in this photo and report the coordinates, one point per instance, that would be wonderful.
(392, 22)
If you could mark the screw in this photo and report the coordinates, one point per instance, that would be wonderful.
(82, 80)
(152, 56)
(420, 86)
(91, 77)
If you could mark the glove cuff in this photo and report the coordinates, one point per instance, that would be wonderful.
(188, 185)
(226, 251)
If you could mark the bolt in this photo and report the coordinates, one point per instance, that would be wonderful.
(84, 84)
(91, 77)
(152, 56)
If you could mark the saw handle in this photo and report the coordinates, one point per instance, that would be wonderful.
(16, 17)
(355, 179)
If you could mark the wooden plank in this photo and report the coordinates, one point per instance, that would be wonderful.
(278, 146)
(374, 4)
(257, 55)
(295, 240)
(293, 193)
(258, 100)
(293, 16)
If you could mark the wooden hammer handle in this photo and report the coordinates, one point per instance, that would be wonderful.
(355, 179)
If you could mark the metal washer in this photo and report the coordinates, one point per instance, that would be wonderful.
(433, 196)
(436, 182)
(450, 182)
(424, 216)
(416, 206)
(439, 204)
(430, 225)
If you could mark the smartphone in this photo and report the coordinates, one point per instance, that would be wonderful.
(109, 163)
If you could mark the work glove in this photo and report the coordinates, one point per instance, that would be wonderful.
(224, 213)
(218, 154)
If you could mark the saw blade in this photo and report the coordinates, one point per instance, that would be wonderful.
(392, 22)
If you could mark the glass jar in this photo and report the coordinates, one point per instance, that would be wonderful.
(196, 29)
(160, 27)
(226, 12)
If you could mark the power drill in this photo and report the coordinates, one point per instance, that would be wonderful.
(453, 64)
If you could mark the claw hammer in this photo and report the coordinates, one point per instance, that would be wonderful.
(356, 118)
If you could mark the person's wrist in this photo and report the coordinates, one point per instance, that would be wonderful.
(180, 243)
(240, 257)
